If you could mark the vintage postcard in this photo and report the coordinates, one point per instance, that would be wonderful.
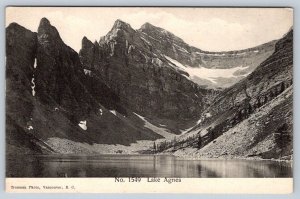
(149, 100)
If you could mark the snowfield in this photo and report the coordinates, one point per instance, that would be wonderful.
(206, 73)
(83, 125)
(113, 112)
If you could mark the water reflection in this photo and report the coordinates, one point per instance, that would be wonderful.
(142, 166)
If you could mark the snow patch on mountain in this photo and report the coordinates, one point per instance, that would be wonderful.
(83, 125)
(113, 112)
(199, 121)
(130, 48)
(35, 63)
(30, 128)
(33, 86)
(207, 115)
(87, 72)
(207, 73)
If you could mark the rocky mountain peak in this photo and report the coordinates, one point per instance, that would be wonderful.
(86, 43)
(147, 25)
(132, 77)
(48, 34)
(119, 32)
(45, 25)
(158, 32)
(15, 26)
(119, 24)
(44, 21)
(15, 30)
(286, 40)
(96, 43)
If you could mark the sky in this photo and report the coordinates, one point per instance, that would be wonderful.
(211, 29)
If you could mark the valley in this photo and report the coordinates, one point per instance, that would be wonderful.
(146, 91)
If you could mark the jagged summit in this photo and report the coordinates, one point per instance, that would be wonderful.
(48, 35)
(148, 25)
(119, 24)
(96, 43)
(45, 25)
(118, 32)
(44, 21)
(86, 42)
(136, 76)
(158, 32)
(16, 28)
(13, 25)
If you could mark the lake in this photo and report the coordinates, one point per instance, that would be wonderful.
(142, 166)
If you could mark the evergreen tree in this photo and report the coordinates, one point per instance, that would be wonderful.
(212, 135)
(282, 136)
(282, 87)
(154, 147)
(199, 141)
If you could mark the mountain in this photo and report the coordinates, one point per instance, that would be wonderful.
(253, 118)
(144, 79)
(50, 95)
(217, 70)
(134, 87)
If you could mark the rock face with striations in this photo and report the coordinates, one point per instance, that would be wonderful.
(253, 118)
(20, 55)
(209, 69)
(50, 95)
(270, 78)
(143, 78)
(124, 87)
(59, 75)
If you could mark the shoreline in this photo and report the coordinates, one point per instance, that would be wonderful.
(234, 158)
(227, 158)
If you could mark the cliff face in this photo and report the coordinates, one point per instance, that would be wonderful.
(174, 47)
(59, 75)
(248, 112)
(50, 94)
(270, 78)
(143, 78)
(141, 85)
(20, 52)
(217, 70)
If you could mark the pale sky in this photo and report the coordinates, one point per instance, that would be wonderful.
(212, 29)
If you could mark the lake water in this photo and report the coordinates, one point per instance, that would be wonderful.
(142, 166)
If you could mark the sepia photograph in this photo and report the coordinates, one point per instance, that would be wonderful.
(154, 93)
